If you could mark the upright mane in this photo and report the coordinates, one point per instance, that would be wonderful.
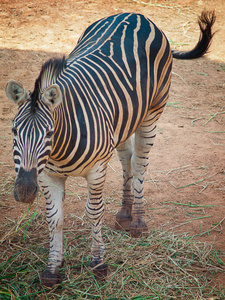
(49, 74)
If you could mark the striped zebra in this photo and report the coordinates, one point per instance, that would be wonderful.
(109, 93)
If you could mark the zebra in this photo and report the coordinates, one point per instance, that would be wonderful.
(108, 94)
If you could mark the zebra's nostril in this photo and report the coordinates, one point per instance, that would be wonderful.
(36, 190)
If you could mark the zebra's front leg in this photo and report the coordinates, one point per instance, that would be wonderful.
(144, 139)
(124, 216)
(53, 189)
(95, 211)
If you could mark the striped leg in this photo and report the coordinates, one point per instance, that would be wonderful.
(124, 217)
(95, 211)
(144, 139)
(53, 189)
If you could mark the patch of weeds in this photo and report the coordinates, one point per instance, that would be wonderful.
(160, 265)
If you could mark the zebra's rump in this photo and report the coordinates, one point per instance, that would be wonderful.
(127, 55)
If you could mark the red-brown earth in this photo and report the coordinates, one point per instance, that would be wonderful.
(187, 160)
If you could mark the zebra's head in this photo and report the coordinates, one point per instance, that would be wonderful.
(33, 128)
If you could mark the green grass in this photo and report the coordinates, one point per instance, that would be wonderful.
(161, 265)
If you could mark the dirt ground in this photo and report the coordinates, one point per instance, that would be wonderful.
(185, 183)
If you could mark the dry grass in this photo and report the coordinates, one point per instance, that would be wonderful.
(161, 265)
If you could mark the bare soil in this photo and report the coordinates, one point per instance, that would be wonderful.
(184, 189)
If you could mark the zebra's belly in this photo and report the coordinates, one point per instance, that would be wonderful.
(61, 169)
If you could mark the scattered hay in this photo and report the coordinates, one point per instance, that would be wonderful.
(161, 265)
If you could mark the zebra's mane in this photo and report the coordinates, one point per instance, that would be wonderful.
(50, 71)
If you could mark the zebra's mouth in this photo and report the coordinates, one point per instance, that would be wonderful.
(24, 196)
(26, 187)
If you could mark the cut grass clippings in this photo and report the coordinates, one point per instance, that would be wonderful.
(175, 105)
(161, 265)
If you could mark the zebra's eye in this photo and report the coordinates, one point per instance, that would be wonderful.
(49, 134)
(14, 130)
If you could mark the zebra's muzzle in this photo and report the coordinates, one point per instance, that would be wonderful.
(26, 187)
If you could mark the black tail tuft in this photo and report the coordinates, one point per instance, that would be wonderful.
(205, 22)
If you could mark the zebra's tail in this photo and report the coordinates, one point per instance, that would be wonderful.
(205, 22)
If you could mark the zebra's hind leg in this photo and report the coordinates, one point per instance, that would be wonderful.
(53, 189)
(124, 216)
(144, 139)
(95, 211)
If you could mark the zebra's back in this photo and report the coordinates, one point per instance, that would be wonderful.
(119, 70)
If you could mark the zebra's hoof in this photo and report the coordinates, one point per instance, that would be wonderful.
(50, 280)
(99, 270)
(137, 229)
(123, 220)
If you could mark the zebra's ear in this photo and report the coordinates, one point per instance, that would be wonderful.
(15, 92)
(52, 96)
